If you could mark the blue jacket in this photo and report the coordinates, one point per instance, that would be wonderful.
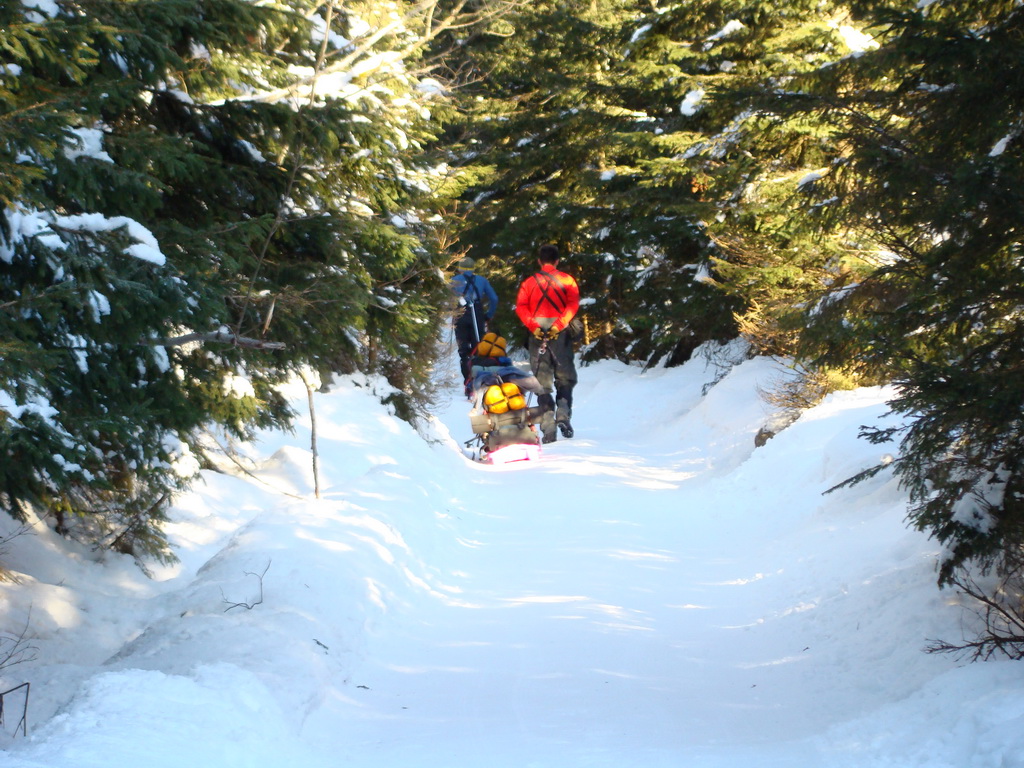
(475, 289)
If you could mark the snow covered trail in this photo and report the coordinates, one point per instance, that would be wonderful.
(610, 610)
(654, 592)
(580, 636)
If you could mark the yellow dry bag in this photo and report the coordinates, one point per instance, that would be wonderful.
(491, 345)
(501, 398)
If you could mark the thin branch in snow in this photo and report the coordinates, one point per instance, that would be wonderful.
(253, 604)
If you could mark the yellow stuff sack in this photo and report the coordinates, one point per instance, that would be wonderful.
(501, 398)
(491, 345)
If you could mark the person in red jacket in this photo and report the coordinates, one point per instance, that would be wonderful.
(546, 303)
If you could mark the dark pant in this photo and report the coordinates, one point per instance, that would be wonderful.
(468, 330)
(555, 370)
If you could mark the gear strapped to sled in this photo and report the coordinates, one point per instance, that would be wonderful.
(491, 345)
(505, 419)
(501, 398)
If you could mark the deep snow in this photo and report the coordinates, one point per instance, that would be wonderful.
(655, 592)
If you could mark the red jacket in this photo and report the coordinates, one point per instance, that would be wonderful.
(548, 294)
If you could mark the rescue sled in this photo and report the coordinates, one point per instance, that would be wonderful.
(504, 425)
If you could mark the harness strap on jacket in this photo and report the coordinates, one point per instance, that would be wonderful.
(470, 282)
(550, 290)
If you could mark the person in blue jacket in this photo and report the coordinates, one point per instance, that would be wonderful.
(477, 304)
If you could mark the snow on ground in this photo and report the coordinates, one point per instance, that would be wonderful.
(654, 592)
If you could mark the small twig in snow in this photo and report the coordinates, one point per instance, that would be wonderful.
(249, 606)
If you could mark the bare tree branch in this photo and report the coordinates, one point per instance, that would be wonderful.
(219, 337)
(253, 604)
(1001, 611)
(15, 648)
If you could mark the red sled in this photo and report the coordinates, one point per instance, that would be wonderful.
(512, 453)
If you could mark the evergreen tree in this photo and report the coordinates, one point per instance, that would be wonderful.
(209, 198)
(638, 138)
(92, 406)
(931, 179)
(534, 147)
(752, 161)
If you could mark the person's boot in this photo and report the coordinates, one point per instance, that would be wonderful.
(547, 427)
(563, 412)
